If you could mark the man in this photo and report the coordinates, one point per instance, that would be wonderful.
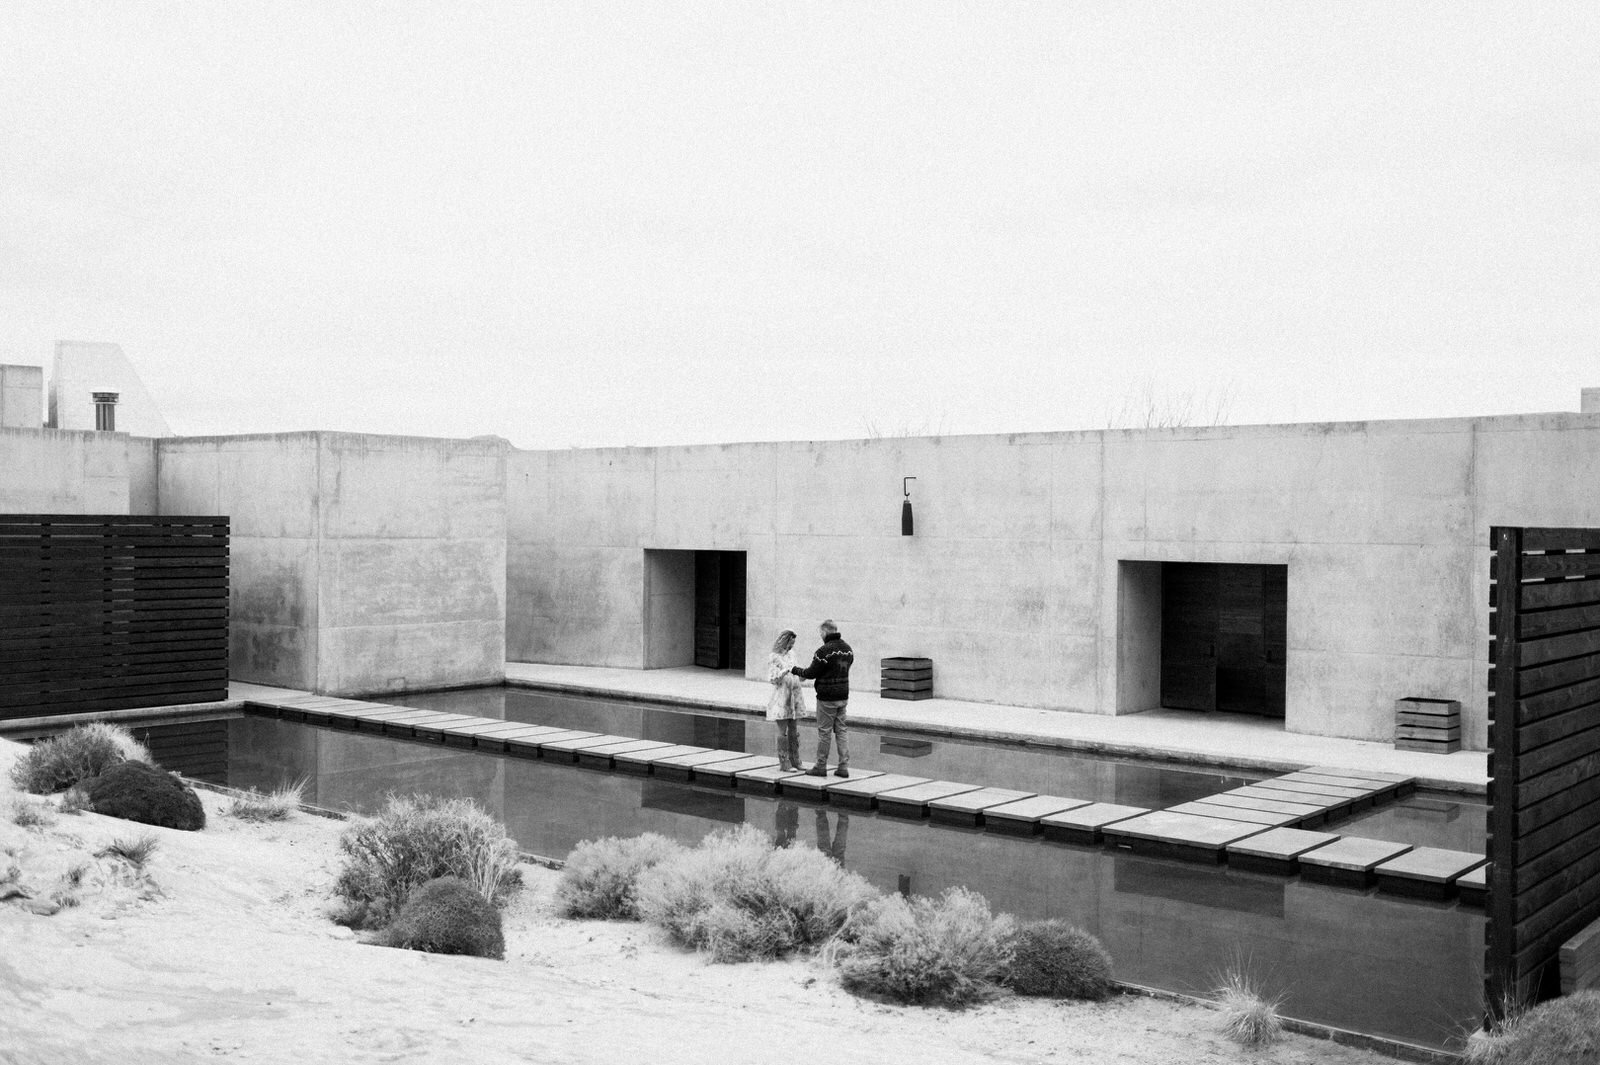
(830, 668)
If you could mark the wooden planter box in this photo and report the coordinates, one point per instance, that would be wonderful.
(906, 678)
(1432, 725)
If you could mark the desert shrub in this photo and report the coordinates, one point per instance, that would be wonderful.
(27, 814)
(135, 791)
(738, 898)
(1249, 1018)
(79, 754)
(275, 805)
(601, 877)
(75, 800)
(415, 839)
(136, 852)
(1562, 1031)
(447, 916)
(1055, 959)
(949, 951)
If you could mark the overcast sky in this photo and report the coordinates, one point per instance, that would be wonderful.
(598, 224)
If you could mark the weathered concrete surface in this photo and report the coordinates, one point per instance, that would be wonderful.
(21, 397)
(1033, 577)
(82, 368)
(47, 471)
(360, 563)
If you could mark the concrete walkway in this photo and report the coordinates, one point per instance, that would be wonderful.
(1231, 740)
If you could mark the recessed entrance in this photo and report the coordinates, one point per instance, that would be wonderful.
(694, 609)
(1223, 637)
(719, 609)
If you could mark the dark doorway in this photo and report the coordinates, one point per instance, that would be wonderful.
(719, 609)
(1223, 637)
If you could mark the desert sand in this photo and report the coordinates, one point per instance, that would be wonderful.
(223, 951)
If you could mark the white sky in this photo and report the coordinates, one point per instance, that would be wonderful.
(595, 224)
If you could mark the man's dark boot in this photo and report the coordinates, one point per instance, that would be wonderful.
(818, 770)
(841, 772)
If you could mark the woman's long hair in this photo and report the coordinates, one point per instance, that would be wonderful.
(784, 642)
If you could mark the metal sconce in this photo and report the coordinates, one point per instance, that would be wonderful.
(905, 507)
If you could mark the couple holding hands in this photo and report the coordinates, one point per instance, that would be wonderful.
(830, 669)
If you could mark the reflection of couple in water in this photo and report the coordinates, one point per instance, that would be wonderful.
(786, 824)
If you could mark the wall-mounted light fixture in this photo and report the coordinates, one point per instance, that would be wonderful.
(905, 507)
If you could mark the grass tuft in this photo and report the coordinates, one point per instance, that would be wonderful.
(136, 852)
(949, 951)
(79, 754)
(1248, 1017)
(277, 805)
(75, 800)
(1562, 1031)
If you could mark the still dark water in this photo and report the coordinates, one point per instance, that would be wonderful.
(1357, 960)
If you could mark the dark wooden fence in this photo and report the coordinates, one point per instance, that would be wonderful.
(110, 612)
(1544, 756)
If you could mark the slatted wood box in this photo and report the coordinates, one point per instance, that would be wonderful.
(906, 678)
(1432, 725)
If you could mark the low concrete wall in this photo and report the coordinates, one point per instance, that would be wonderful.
(49, 471)
(1014, 583)
(21, 397)
(361, 564)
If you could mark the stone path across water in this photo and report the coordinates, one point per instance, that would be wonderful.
(1261, 827)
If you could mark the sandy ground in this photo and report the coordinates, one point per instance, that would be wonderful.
(224, 951)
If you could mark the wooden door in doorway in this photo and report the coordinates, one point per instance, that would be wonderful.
(1223, 637)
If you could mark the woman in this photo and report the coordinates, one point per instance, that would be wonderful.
(786, 703)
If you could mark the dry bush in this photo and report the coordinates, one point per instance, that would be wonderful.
(26, 814)
(447, 916)
(136, 852)
(601, 877)
(1249, 1018)
(1053, 958)
(1562, 1031)
(949, 951)
(415, 839)
(738, 898)
(75, 800)
(79, 754)
(276, 805)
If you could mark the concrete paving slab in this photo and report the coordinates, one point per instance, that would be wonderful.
(430, 727)
(1348, 861)
(464, 733)
(1022, 818)
(1245, 801)
(1365, 775)
(565, 749)
(522, 745)
(861, 792)
(1084, 823)
(1332, 805)
(967, 808)
(1425, 872)
(500, 740)
(1263, 818)
(1473, 886)
(913, 802)
(765, 781)
(818, 789)
(682, 767)
(643, 762)
(1277, 850)
(1174, 834)
(723, 773)
(600, 756)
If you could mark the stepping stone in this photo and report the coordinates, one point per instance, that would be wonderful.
(1385, 785)
(820, 789)
(1277, 850)
(524, 736)
(526, 745)
(967, 808)
(1332, 804)
(1023, 817)
(1260, 818)
(859, 793)
(1170, 834)
(1362, 774)
(1084, 823)
(429, 727)
(1426, 872)
(601, 756)
(349, 715)
(566, 749)
(723, 773)
(1349, 861)
(642, 761)
(682, 767)
(465, 733)
(1473, 886)
(1365, 797)
(765, 781)
(913, 802)
(1268, 804)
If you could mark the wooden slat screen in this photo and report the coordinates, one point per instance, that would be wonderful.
(111, 612)
(1544, 756)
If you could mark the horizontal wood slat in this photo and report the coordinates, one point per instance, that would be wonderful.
(107, 612)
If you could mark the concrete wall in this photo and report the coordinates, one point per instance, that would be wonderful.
(43, 471)
(83, 368)
(21, 397)
(361, 564)
(1017, 583)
